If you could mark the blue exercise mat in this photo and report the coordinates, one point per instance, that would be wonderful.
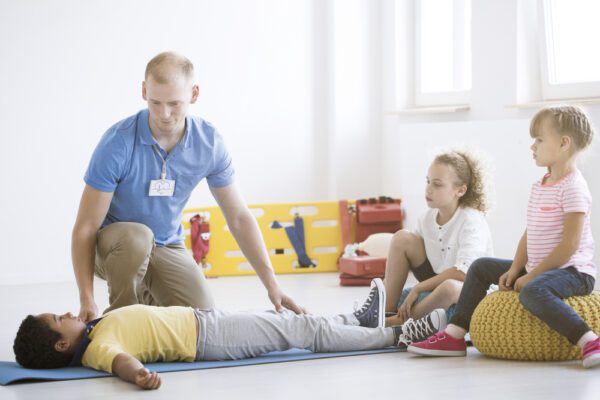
(11, 372)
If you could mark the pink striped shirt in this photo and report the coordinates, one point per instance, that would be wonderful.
(548, 204)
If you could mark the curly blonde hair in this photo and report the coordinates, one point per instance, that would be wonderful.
(568, 120)
(471, 172)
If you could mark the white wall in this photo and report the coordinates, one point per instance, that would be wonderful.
(299, 89)
(499, 72)
(409, 149)
(266, 70)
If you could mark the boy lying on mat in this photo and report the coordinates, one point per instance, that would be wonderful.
(124, 338)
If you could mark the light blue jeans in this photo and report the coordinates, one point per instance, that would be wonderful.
(233, 336)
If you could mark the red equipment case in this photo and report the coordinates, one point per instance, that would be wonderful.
(377, 215)
(362, 265)
(360, 270)
(371, 216)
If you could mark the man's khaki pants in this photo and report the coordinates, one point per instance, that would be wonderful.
(138, 272)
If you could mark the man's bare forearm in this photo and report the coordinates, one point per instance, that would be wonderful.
(248, 236)
(83, 250)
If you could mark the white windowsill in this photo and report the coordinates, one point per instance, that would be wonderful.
(431, 110)
(544, 103)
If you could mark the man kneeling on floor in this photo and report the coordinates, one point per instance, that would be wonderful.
(122, 339)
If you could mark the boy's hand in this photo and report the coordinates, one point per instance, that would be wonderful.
(147, 380)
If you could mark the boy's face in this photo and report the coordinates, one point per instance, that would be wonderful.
(70, 327)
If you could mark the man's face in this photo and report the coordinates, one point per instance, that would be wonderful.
(168, 103)
(70, 327)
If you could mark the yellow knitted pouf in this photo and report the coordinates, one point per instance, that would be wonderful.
(502, 328)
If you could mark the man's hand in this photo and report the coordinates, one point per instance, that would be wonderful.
(281, 300)
(93, 208)
(88, 311)
(405, 310)
(147, 380)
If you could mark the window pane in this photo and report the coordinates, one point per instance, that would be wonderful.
(572, 33)
(445, 45)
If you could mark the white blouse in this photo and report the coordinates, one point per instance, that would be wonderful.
(457, 243)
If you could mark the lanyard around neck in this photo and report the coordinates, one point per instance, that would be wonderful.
(163, 174)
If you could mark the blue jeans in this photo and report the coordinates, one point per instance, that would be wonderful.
(542, 296)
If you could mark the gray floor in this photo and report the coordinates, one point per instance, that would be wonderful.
(395, 376)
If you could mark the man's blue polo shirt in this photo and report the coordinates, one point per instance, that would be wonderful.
(125, 162)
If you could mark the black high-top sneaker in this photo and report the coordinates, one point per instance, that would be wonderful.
(372, 312)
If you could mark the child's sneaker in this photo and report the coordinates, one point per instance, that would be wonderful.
(415, 331)
(440, 344)
(372, 312)
(591, 354)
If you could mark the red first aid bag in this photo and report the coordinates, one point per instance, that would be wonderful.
(377, 215)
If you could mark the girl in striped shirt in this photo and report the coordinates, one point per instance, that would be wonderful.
(554, 258)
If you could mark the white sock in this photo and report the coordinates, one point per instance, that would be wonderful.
(455, 331)
(586, 338)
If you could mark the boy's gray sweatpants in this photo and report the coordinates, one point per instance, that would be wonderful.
(232, 336)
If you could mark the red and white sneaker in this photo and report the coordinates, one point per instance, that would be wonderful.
(590, 354)
(440, 344)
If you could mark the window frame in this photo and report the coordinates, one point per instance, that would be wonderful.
(424, 99)
(557, 91)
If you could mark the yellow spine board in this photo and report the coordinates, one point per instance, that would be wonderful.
(321, 230)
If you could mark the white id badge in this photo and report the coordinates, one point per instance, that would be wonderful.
(162, 187)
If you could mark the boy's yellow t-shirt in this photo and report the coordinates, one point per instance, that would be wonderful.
(147, 333)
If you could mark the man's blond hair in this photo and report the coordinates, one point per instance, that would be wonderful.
(167, 66)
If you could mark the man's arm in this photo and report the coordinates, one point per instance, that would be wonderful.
(130, 369)
(92, 211)
(244, 228)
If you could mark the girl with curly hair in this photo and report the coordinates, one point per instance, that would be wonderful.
(449, 237)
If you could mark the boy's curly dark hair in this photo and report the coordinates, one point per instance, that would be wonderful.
(34, 345)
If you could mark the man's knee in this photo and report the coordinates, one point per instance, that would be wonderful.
(134, 238)
(140, 234)
(123, 249)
